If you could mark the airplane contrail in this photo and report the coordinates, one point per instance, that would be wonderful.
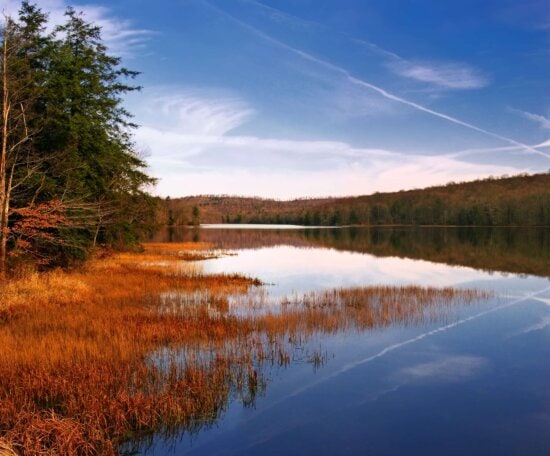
(362, 83)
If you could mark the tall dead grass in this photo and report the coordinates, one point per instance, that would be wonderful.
(78, 369)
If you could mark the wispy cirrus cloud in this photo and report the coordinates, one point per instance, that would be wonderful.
(191, 139)
(121, 36)
(199, 112)
(181, 123)
(457, 76)
(542, 121)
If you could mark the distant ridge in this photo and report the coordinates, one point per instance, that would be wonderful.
(522, 200)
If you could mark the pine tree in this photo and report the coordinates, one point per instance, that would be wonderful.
(66, 140)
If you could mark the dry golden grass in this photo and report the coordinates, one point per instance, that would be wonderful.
(176, 246)
(6, 449)
(75, 345)
(80, 367)
(189, 251)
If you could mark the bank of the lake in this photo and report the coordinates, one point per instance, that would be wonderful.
(247, 341)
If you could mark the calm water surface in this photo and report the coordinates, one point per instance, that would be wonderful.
(474, 381)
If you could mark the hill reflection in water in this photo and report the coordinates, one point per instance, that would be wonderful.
(513, 250)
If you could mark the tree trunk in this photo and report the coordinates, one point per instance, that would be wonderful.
(4, 202)
(4, 244)
(96, 234)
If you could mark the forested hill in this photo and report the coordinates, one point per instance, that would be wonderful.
(520, 200)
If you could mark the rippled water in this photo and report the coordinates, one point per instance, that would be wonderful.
(474, 380)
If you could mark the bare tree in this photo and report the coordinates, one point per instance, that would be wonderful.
(19, 163)
(15, 82)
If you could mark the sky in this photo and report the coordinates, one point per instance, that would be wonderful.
(303, 98)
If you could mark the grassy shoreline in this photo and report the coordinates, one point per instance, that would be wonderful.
(77, 371)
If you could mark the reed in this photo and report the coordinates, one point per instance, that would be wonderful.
(146, 342)
(6, 449)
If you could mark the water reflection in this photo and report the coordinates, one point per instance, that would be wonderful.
(241, 364)
(352, 349)
(515, 250)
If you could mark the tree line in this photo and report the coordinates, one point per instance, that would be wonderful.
(522, 200)
(70, 177)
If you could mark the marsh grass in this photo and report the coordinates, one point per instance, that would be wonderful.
(141, 343)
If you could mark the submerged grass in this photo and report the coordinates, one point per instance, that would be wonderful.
(77, 366)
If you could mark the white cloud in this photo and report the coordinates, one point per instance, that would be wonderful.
(179, 180)
(287, 169)
(120, 35)
(182, 123)
(197, 112)
(190, 147)
(458, 76)
(543, 122)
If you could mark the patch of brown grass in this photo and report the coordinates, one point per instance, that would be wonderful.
(6, 449)
(80, 367)
(74, 360)
(176, 246)
(188, 251)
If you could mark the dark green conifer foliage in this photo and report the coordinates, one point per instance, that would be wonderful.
(81, 152)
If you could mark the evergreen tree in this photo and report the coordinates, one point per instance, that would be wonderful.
(66, 138)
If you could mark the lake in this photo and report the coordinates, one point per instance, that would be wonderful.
(469, 378)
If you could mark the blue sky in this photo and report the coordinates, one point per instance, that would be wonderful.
(295, 98)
